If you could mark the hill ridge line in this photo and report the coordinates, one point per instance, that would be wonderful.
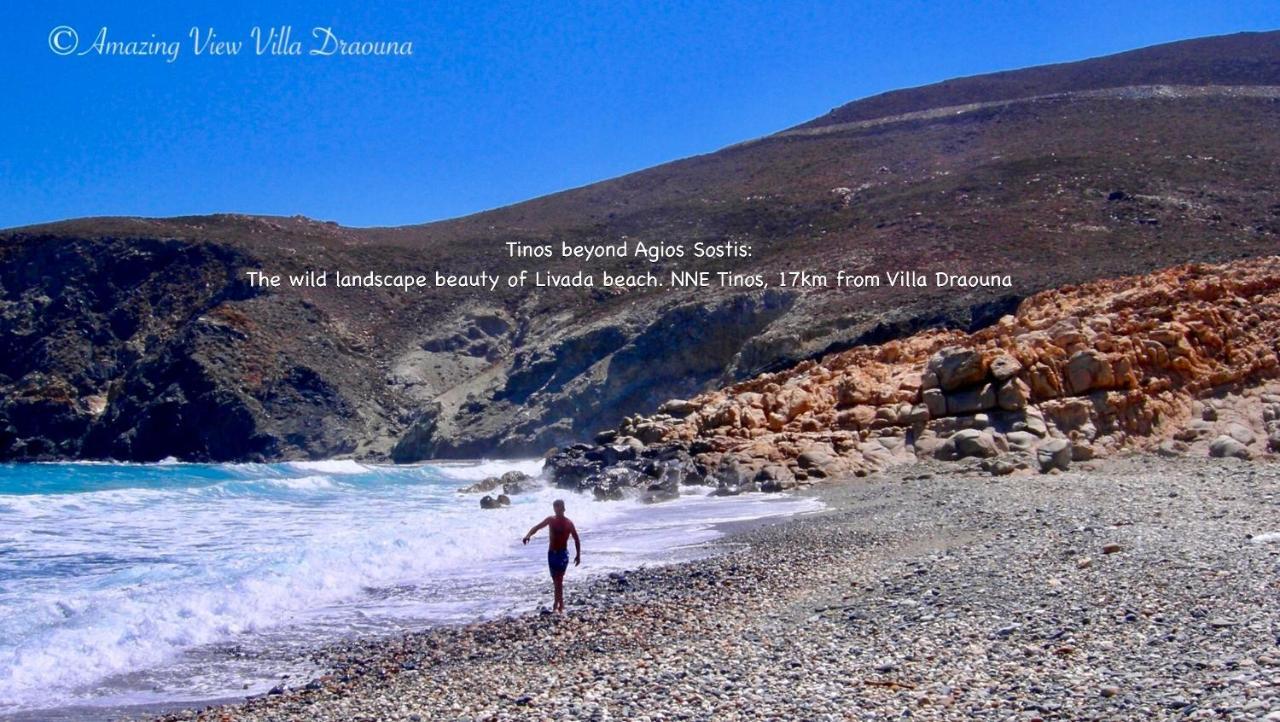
(1125, 92)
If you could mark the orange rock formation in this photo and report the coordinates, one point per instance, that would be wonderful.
(1177, 361)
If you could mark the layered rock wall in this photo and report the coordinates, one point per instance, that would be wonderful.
(1179, 361)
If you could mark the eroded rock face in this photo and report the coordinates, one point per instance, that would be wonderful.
(1188, 354)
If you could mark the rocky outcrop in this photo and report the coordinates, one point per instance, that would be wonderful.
(510, 483)
(139, 349)
(1184, 360)
(581, 380)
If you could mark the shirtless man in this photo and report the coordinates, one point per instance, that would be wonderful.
(558, 551)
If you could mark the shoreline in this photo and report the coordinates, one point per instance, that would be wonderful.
(294, 666)
(925, 589)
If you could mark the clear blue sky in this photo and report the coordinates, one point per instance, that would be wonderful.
(499, 102)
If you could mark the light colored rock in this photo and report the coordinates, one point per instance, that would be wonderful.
(1004, 367)
(971, 443)
(935, 401)
(1022, 440)
(1013, 395)
(1241, 433)
(1082, 451)
(1054, 454)
(678, 407)
(1225, 446)
(957, 367)
(1032, 421)
(1087, 370)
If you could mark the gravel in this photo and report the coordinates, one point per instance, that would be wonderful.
(1136, 590)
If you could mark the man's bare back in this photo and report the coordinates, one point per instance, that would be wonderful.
(561, 527)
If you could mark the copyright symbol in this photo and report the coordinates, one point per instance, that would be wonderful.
(63, 40)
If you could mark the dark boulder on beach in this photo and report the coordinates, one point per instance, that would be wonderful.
(511, 483)
(487, 484)
(651, 473)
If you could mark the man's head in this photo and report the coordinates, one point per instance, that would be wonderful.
(558, 505)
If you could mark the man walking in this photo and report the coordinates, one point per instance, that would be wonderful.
(558, 550)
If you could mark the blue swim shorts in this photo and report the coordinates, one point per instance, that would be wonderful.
(558, 561)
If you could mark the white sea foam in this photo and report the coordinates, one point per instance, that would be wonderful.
(96, 584)
(332, 466)
(302, 482)
(476, 471)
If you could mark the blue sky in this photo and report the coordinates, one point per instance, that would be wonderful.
(499, 102)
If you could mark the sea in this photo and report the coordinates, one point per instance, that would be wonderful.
(153, 586)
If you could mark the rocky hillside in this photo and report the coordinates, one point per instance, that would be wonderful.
(1182, 361)
(138, 338)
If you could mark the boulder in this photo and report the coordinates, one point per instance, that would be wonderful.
(818, 456)
(677, 470)
(935, 402)
(1241, 433)
(570, 468)
(971, 401)
(488, 484)
(775, 473)
(1032, 421)
(608, 493)
(1013, 395)
(1082, 451)
(1087, 370)
(1226, 446)
(489, 502)
(651, 433)
(1195, 430)
(1054, 454)
(659, 492)
(957, 367)
(516, 482)
(731, 472)
(928, 444)
(969, 443)
(776, 485)
(1005, 367)
(1022, 440)
(678, 408)
(1044, 381)
(1004, 465)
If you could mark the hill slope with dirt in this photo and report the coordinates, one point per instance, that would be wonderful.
(139, 338)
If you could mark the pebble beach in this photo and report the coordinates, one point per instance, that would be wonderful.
(1139, 588)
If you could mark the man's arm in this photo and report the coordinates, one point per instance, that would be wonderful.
(535, 529)
(577, 545)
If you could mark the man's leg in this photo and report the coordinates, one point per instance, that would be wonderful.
(559, 603)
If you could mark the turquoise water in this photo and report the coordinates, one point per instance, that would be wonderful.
(126, 584)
